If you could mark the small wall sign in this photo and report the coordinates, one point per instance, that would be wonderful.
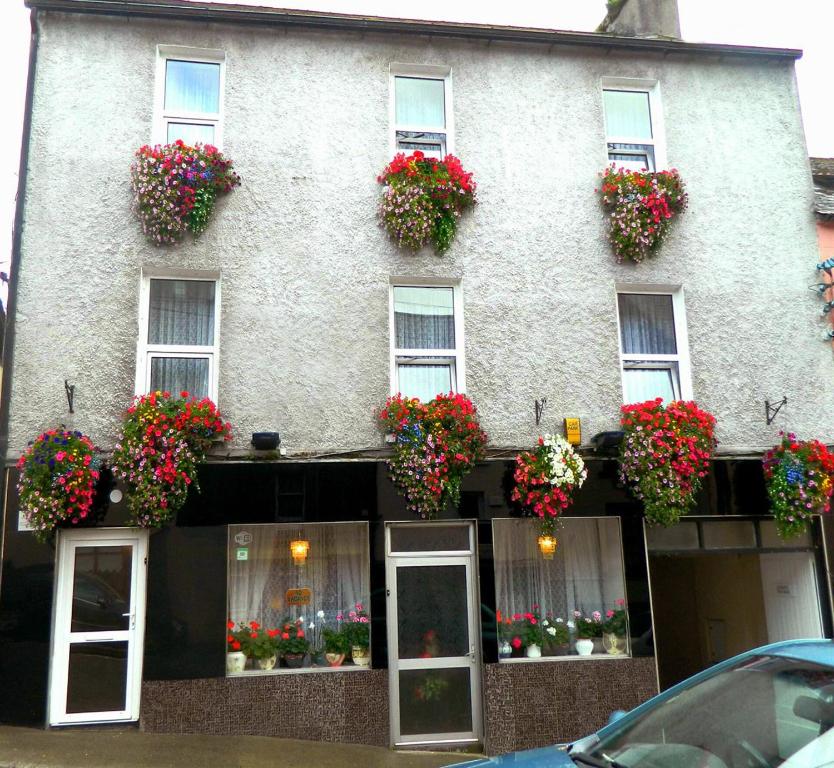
(243, 538)
(573, 430)
(242, 553)
(301, 596)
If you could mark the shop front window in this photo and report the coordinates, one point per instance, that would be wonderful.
(569, 603)
(300, 593)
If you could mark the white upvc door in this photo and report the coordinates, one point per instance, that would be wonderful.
(99, 626)
(433, 646)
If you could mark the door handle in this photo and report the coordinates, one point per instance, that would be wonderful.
(472, 653)
(132, 619)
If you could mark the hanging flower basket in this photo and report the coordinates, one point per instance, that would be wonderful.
(436, 444)
(175, 186)
(164, 439)
(58, 475)
(664, 455)
(642, 205)
(423, 200)
(799, 476)
(547, 478)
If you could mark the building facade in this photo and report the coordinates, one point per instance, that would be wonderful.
(292, 312)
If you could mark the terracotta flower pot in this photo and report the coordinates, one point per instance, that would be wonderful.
(334, 659)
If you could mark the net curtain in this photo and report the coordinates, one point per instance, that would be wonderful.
(336, 572)
(586, 574)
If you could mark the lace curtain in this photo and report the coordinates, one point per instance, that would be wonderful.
(586, 573)
(336, 572)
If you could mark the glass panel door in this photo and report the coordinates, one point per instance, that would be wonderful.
(99, 623)
(433, 649)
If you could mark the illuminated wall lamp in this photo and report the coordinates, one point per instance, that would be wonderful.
(299, 549)
(547, 545)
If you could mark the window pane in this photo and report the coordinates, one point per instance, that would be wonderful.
(97, 677)
(585, 574)
(435, 701)
(267, 586)
(424, 318)
(639, 157)
(681, 536)
(430, 538)
(420, 101)
(424, 381)
(627, 114)
(175, 374)
(729, 534)
(190, 133)
(101, 589)
(181, 312)
(430, 144)
(192, 86)
(641, 384)
(647, 324)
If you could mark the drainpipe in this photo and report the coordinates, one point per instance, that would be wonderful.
(14, 269)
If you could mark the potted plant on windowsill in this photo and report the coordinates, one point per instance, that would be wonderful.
(293, 644)
(588, 630)
(357, 629)
(530, 631)
(555, 637)
(615, 629)
(262, 645)
(336, 646)
(235, 643)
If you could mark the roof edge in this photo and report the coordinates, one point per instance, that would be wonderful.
(245, 14)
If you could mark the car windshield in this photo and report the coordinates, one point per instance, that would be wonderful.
(756, 714)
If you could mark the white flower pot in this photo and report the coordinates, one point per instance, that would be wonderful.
(533, 651)
(235, 661)
(585, 647)
(267, 663)
(361, 656)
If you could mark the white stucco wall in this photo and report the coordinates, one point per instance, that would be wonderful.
(305, 270)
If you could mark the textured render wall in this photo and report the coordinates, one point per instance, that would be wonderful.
(305, 270)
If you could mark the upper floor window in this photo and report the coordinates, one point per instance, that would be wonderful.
(633, 124)
(426, 346)
(653, 348)
(421, 110)
(190, 96)
(178, 345)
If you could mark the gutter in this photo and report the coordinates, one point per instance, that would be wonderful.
(246, 14)
(14, 270)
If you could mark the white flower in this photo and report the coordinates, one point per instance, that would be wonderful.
(320, 614)
(312, 626)
(551, 631)
(560, 620)
(570, 625)
(301, 619)
(545, 623)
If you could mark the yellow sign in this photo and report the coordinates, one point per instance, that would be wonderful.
(301, 596)
(573, 431)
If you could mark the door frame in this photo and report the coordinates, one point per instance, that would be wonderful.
(66, 543)
(469, 560)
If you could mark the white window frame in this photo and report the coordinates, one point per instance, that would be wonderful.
(652, 89)
(682, 358)
(145, 351)
(425, 72)
(453, 357)
(163, 117)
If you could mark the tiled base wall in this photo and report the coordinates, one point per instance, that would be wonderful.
(348, 707)
(533, 705)
(526, 705)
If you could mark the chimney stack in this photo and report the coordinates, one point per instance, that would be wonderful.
(642, 18)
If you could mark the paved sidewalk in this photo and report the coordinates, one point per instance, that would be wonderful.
(131, 748)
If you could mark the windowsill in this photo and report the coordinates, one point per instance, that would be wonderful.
(299, 671)
(566, 657)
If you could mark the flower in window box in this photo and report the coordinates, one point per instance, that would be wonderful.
(641, 207)
(58, 476)
(547, 478)
(588, 626)
(423, 199)
(175, 186)
(664, 454)
(162, 443)
(799, 476)
(436, 444)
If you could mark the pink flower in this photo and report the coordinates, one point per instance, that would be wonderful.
(516, 642)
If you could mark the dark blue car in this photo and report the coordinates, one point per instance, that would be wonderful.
(772, 706)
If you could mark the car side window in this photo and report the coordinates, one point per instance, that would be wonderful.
(803, 710)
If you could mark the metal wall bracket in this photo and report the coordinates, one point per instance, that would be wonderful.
(540, 410)
(771, 411)
(70, 389)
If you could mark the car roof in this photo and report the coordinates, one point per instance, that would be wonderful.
(817, 651)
